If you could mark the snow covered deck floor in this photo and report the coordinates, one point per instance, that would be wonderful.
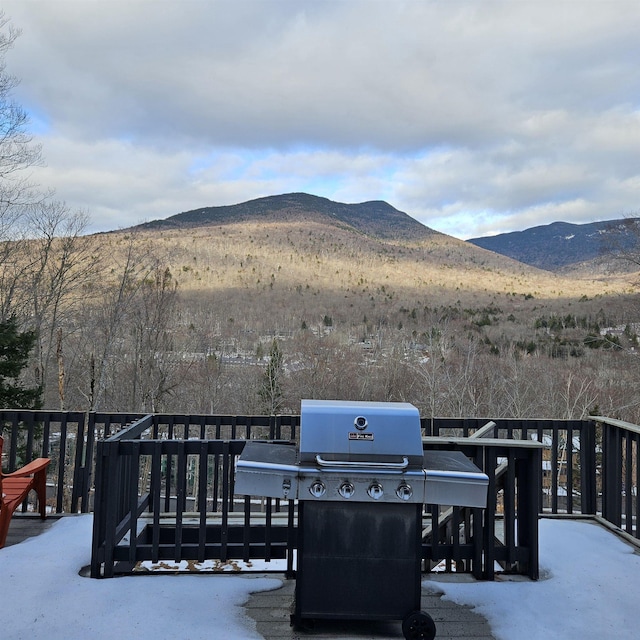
(271, 609)
(588, 587)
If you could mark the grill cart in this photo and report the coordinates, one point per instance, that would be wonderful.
(361, 478)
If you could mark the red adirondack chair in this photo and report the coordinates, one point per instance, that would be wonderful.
(14, 488)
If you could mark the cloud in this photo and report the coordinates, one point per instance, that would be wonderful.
(470, 116)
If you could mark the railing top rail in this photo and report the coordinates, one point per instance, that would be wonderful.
(41, 414)
(507, 421)
(627, 426)
(134, 430)
(483, 432)
(483, 442)
(224, 417)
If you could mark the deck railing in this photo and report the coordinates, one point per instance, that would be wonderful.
(620, 474)
(68, 438)
(571, 461)
(167, 494)
(163, 484)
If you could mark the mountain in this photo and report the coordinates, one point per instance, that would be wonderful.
(309, 257)
(555, 247)
(561, 245)
(376, 218)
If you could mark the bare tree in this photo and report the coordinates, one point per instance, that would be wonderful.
(206, 382)
(466, 385)
(621, 243)
(17, 154)
(116, 292)
(17, 150)
(62, 265)
(44, 257)
(153, 358)
(431, 368)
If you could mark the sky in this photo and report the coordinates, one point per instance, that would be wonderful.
(475, 117)
(588, 589)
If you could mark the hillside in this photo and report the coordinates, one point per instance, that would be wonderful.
(558, 247)
(355, 316)
(361, 301)
(378, 219)
(286, 271)
(362, 252)
(561, 245)
(300, 255)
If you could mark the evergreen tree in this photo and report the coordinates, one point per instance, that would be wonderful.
(271, 390)
(15, 347)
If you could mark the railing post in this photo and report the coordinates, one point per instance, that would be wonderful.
(489, 530)
(226, 497)
(528, 474)
(588, 467)
(79, 491)
(99, 513)
(611, 476)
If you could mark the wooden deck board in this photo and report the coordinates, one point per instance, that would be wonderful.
(25, 526)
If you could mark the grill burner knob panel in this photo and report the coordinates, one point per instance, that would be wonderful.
(375, 491)
(404, 491)
(346, 490)
(317, 489)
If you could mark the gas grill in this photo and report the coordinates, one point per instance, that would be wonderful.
(360, 477)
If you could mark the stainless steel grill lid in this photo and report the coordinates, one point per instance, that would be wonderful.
(364, 432)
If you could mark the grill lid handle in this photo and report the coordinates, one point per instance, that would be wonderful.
(359, 465)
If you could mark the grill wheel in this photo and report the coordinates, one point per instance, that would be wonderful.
(419, 626)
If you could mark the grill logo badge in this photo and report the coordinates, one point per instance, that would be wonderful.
(355, 435)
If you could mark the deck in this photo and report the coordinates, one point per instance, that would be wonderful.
(589, 469)
(271, 609)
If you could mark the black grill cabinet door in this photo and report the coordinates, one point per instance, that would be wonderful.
(358, 560)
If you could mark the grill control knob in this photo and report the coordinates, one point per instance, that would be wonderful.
(317, 489)
(404, 491)
(375, 491)
(346, 490)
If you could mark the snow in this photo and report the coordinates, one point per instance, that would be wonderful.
(588, 588)
(41, 585)
(590, 580)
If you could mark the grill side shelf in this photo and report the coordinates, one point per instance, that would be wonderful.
(267, 469)
(453, 480)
